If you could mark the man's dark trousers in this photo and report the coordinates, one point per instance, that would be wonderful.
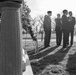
(71, 32)
(65, 37)
(58, 37)
(47, 38)
(72, 35)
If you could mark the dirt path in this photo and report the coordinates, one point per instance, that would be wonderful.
(54, 61)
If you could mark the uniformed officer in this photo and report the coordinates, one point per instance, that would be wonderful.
(58, 30)
(65, 28)
(47, 28)
(71, 20)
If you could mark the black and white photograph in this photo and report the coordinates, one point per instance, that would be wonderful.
(37, 37)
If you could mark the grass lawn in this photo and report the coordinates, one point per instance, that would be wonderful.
(52, 60)
(27, 36)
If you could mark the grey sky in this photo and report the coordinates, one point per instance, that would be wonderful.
(56, 6)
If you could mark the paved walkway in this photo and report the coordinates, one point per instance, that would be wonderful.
(28, 66)
(74, 38)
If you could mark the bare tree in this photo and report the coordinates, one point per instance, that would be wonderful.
(40, 20)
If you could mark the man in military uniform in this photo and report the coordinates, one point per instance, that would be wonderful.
(65, 28)
(71, 20)
(47, 28)
(58, 30)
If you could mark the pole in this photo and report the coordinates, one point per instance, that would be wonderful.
(10, 38)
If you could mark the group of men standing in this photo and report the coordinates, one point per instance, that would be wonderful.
(64, 25)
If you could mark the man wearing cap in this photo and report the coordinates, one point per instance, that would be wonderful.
(47, 28)
(71, 20)
(58, 30)
(65, 27)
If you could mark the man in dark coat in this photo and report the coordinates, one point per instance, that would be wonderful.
(58, 30)
(47, 28)
(65, 27)
(71, 20)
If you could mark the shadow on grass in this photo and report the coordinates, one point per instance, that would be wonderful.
(43, 52)
(33, 51)
(71, 65)
(53, 59)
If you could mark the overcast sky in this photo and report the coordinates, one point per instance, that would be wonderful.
(56, 6)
